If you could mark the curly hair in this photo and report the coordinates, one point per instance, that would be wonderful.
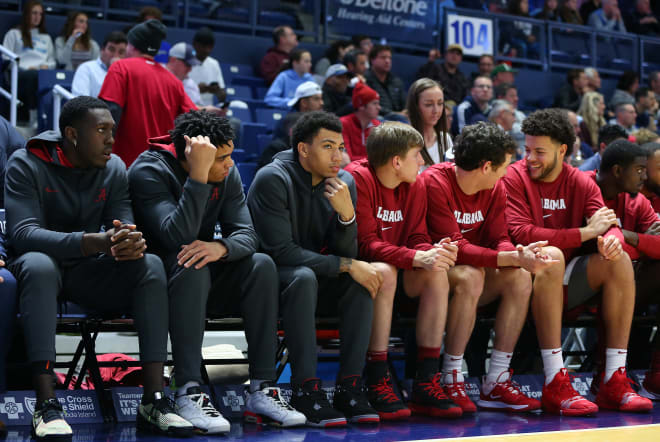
(589, 111)
(200, 123)
(309, 124)
(482, 142)
(551, 123)
(76, 109)
(415, 116)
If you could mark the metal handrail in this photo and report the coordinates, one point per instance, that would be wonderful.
(12, 95)
(58, 93)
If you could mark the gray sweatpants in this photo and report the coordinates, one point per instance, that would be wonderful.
(302, 295)
(98, 284)
(248, 286)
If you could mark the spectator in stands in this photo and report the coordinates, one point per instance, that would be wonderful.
(281, 139)
(312, 237)
(643, 136)
(284, 86)
(620, 179)
(449, 111)
(334, 55)
(606, 135)
(182, 58)
(592, 111)
(181, 188)
(625, 89)
(608, 17)
(549, 11)
(308, 98)
(593, 80)
(654, 84)
(503, 73)
(475, 107)
(570, 95)
(60, 252)
(207, 74)
(89, 76)
(509, 92)
(501, 114)
(144, 97)
(469, 197)
(31, 42)
(356, 62)
(587, 7)
(390, 88)
(642, 20)
(363, 43)
(357, 126)
(277, 57)
(335, 98)
(448, 73)
(520, 34)
(625, 116)
(568, 12)
(567, 198)
(646, 107)
(75, 45)
(651, 188)
(485, 66)
(580, 149)
(392, 234)
(427, 113)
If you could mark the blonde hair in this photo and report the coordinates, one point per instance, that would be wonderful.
(589, 113)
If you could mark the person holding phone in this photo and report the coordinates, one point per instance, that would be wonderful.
(75, 45)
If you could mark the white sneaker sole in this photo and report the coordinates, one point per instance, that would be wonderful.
(497, 405)
(262, 419)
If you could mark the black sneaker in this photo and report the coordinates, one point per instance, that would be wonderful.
(3, 430)
(429, 398)
(160, 416)
(351, 399)
(48, 422)
(385, 401)
(311, 400)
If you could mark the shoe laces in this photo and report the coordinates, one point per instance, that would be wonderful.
(384, 390)
(50, 410)
(274, 395)
(567, 385)
(509, 385)
(165, 405)
(456, 388)
(203, 402)
(317, 394)
(433, 387)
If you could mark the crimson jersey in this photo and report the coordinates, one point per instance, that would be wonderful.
(653, 198)
(554, 212)
(391, 222)
(150, 97)
(634, 213)
(475, 221)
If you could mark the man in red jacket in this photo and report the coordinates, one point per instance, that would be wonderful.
(391, 219)
(549, 200)
(651, 188)
(466, 202)
(620, 178)
(273, 62)
(356, 126)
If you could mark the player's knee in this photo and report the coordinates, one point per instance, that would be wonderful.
(389, 274)
(468, 282)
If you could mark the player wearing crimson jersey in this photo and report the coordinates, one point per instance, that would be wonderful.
(651, 188)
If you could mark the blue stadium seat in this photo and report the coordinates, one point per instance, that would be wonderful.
(247, 172)
(263, 140)
(270, 117)
(260, 92)
(277, 18)
(242, 114)
(233, 69)
(46, 81)
(235, 92)
(239, 155)
(249, 133)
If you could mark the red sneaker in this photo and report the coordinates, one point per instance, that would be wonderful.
(651, 385)
(456, 392)
(559, 397)
(430, 399)
(506, 396)
(618, 394)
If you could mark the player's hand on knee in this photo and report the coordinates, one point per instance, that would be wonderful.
(532, 258)
(367, 276)
(610, 247)
(131, 247)
(199, 253)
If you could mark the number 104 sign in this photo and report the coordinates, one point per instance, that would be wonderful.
(475, 35)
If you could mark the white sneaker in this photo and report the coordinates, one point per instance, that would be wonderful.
(160, 416)
(48, 421)
(195, 406)
(268, 406)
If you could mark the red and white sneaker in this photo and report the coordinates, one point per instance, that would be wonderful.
(651, 385)
(559, 397)
(618, 394)
(456, 392)
(506, 396)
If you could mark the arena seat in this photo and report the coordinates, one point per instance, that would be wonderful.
(263, 140)
(249, 133)
(235, 92)
(242, 114)
(270, 117)
(247, 172)
(47, 80)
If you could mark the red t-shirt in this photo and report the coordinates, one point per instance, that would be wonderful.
(635, 214)
(653, 198)
(151, 98)
(475, 221)
(391, 222)
(355, 139)
(554, 212)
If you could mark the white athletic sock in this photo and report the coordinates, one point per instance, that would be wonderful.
(449, 364)
(553, 361)
(182, 390)
(498, 369)
(614, 359)
(255, 384)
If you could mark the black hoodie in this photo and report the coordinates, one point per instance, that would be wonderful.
(175, 210)
(296, 224)
(50, 204)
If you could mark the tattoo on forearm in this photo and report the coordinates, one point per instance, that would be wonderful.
(345, 264)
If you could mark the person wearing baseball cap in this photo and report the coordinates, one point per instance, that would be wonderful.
(308, 97)
(503, 73)
(357, 125)
(454, 83)
(335, 98)
(182, 58)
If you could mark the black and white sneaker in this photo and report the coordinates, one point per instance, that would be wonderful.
(159, 416)
(48, 422)
(311, 400)
(351, 399)
(267, 406)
